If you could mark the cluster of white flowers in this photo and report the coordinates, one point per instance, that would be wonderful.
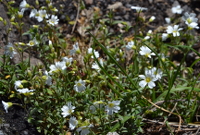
(60, 65)
(150, 77)
(40, 15)
(190, 20)
(110, 108)
(90, 52)
(67, 110)
(174, 30)
(20, 88)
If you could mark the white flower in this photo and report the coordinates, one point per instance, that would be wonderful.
(96, 66)
(67, 60)
(53, 20)
(33, 42)
(67, 109)
(72, 123)
(42, 15)
(177, 9)
(112, 133)
(148, 35)
(96, 53)
(193, 25)
(146, 52)
(165, 36)
(48, 78)
(189, 18)
(6, 105)
(84, 130)
(24, 5)
(75, 49)
(156, 72)
(34, 13)
(96, 105)
(25, 90)
(152, 18)
(130, 45)
(79, 86)
(112, 107)
(20, 14)
(18, 84)
(168, 20)
(162, 56)
(174, 30)
(59, 66)
(9, 50)
(148, 79)
(138, 9)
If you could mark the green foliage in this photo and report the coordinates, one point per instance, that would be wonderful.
(91, 85)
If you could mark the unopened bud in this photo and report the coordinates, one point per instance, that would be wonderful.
(20, 14)
(37, 2)
(152, 19)
(11, 2)
(48, 1)
(24, 81)
(12, 19)
(1, 19)
(29, 73)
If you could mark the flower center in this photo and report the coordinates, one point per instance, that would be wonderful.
(31, 43)
(175, 31)
(148, 79)
(79, 84)
(111, 105)
(189, 20)
(147, 54)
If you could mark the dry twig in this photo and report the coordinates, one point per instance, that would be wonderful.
(77, 16)
(180, 120)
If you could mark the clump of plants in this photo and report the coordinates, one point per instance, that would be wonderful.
(103, 83)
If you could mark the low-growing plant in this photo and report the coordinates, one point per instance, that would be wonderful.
(105, 84)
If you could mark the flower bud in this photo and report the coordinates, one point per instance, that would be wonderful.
(24, 81)
(152, 19)
(37, 2)
(11, 2)
(29, 73)
(20, 14)
(1, 19)
(12, 19)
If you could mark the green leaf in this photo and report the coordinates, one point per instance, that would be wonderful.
(117, 125)
(178, 89)
(49, 92)
(50, 120)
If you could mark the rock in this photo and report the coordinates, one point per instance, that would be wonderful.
(115, 6)
(33, 61)
(89, 2)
